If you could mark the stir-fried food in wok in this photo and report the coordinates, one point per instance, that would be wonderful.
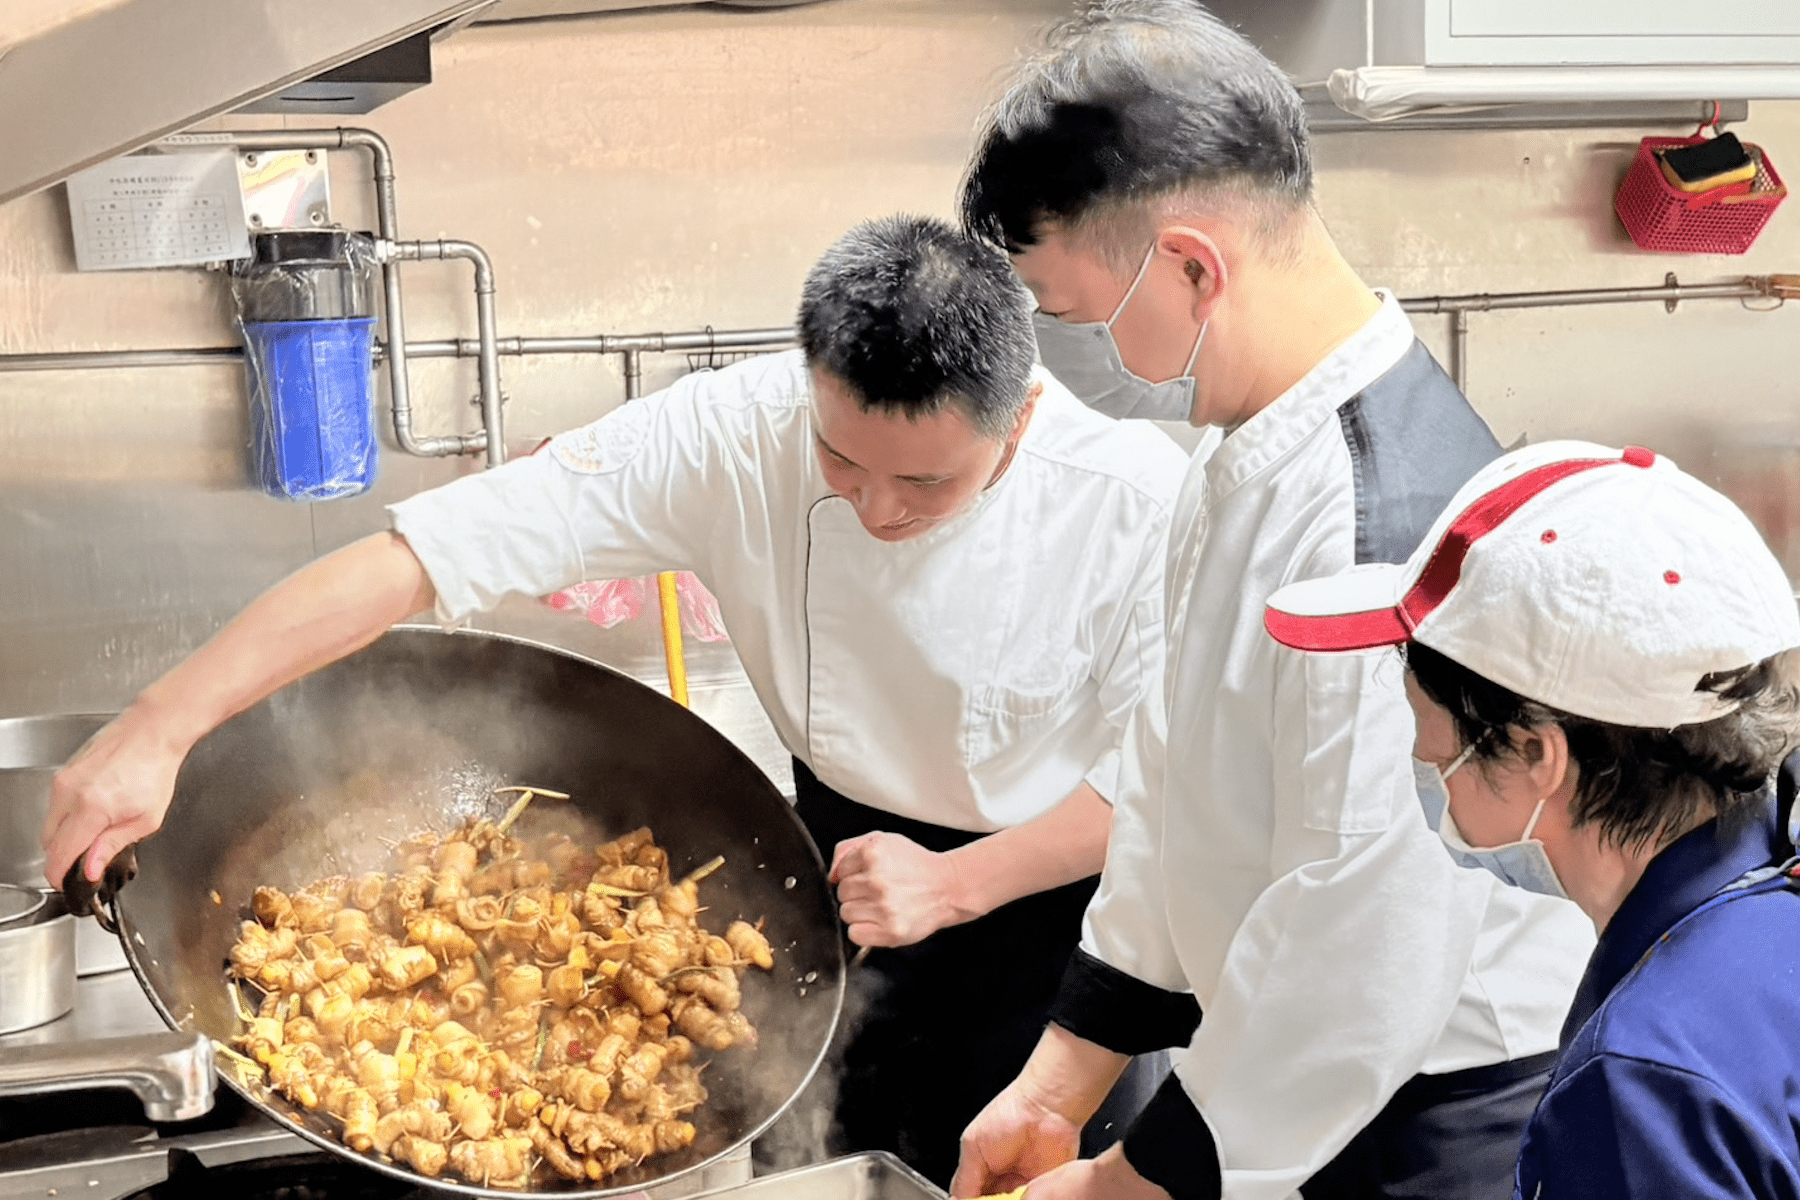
(506, 1011)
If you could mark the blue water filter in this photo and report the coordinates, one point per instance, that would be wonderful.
(308, 330)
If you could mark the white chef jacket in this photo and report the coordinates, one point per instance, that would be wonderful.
(1269, 851)
(970, 677)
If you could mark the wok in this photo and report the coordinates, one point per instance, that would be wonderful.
(412, 733)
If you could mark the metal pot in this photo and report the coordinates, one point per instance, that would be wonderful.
(413, 732)
(31, 749)
(37, 958)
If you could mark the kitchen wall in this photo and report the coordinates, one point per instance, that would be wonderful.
(681, 168)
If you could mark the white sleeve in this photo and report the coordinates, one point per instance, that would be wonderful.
(1127, 922)
(630, 494)
(1344, 972)
(1129, 667)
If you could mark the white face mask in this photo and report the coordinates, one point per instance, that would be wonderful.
(1085, 358)
(1522, 863)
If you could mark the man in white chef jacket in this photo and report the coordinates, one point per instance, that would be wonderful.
(1358, 1016)
(942, 574)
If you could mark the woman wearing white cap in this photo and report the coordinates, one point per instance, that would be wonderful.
(1597, 657)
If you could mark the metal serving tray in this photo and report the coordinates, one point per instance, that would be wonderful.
(856, 1177)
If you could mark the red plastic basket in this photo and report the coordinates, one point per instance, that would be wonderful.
(1659, 216)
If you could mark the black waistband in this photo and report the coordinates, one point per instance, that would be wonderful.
(832, 817)
(1432, 1089)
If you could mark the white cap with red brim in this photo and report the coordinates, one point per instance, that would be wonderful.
(1604, 583)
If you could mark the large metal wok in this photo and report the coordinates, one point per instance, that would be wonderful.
(413, 733)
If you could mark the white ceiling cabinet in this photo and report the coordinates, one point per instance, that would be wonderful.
(1586, 32)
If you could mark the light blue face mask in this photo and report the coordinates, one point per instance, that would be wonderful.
(1523, 863)
(1085, 359)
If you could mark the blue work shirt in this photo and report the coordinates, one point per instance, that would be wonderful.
(1680, 1066)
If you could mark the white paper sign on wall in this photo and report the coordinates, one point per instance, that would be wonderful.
(158, 210)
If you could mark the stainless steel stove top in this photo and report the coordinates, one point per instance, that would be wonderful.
(98, 1145)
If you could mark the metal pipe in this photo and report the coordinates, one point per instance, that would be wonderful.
(493, 421)
(1750, 288)
(634, 373)
(1459, 348)
(387, 222)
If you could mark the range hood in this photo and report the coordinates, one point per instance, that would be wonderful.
(89, 81)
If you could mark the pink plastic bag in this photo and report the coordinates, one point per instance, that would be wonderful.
(607, 602)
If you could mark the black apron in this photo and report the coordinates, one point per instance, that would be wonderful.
(933, 1031)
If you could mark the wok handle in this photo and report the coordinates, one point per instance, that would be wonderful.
(172, 1073)
(84, 897)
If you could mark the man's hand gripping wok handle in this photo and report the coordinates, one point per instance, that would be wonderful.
(117, 788)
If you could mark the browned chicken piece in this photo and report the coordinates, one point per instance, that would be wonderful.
(717, 986)
(478, 914)
(742, 1031)
(350, 931)
(556, 934)
(521, 987)
(469, 999)
(659, 954)
(293, 974)
(313, 913)
(471, 1110)
(521, 1104)
(623, 1022)
(423, 1155)
(623, 849)
(404, 966)
(256, 947)
(368, 890)
(327, 960)
(697, 1020)
(717, 952)
(603, 913)
(487, 1010)
(586, 1090)
(682, 901)
(454, 974)
(750, 945)
(642, 990)
(555, 1152)
(494, 1162)
(566, 985)
(640, 1069)
(440, 935)
(360, 1115)
(630, 878)
(458, 857)
(674, 1135)
(272, 907)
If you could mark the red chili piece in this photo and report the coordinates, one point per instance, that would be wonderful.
(577, 1050)
(1671, 577)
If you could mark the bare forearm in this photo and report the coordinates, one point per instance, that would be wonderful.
(316, 616)
(1070, 1075)
(1061, 846)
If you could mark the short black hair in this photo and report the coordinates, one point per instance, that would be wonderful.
(1132, 100)
(1638, 785)
(914, 316)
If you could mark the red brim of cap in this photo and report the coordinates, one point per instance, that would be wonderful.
(1359, 610)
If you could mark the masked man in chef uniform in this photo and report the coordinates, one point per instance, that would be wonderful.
(943, 575)
(1356, 1016)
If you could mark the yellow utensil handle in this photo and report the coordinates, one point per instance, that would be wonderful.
(671, 632)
